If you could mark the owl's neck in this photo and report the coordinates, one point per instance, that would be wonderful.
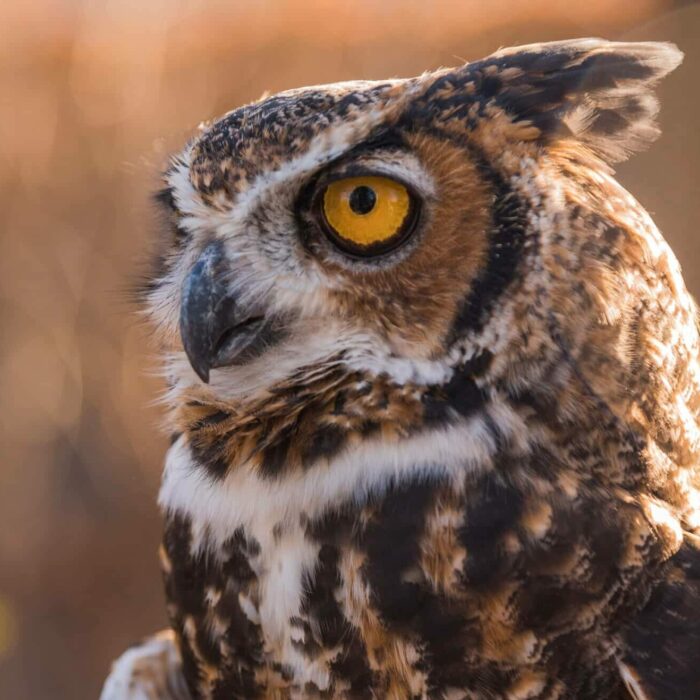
(344, 437)
(327, 412)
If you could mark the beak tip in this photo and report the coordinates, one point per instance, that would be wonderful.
(202, 372)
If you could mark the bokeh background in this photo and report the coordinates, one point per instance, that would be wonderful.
(93, 96)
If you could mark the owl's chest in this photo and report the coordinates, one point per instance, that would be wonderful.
(323, 605)
(427, 589)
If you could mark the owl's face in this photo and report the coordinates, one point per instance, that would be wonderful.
(382, 226)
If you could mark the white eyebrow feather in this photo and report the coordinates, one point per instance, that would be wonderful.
(330, 144)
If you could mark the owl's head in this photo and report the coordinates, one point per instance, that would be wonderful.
(395, 228)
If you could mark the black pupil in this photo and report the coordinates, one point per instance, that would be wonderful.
(362, 199)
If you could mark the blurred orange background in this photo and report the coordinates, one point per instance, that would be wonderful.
(94, 95)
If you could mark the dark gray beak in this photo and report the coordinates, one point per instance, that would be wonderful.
(215, 330)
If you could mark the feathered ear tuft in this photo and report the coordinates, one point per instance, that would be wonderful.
(598, 92)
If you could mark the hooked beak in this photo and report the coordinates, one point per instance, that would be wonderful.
(215, 330)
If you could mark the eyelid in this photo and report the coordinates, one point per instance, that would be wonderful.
(405, 168)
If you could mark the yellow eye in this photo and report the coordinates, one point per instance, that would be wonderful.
(368, 214)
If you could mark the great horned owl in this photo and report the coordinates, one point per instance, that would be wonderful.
(434, 394)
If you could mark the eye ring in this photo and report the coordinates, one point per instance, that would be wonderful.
(361, 206)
